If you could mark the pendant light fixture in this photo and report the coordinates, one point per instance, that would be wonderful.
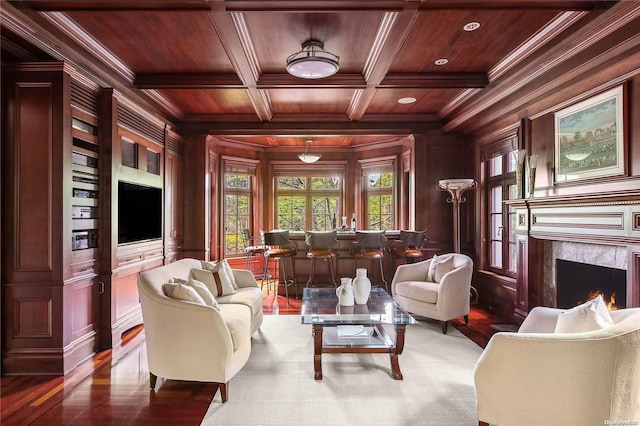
(306, 156)
(313, 61)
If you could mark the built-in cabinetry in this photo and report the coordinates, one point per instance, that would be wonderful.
(69, 285)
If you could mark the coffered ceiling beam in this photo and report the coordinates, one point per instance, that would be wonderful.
(435, 80)
(188, 81)
(399, 5)
(299, 128)
(237, 43)
(287, 81)
(314, 6)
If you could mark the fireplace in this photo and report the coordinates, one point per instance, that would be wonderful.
(578, 282)
(600, 230)
(573, 270)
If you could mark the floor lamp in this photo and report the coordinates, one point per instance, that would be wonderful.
(456, 187)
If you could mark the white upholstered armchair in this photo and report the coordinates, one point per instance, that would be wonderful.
(437, 288)
(538, 377)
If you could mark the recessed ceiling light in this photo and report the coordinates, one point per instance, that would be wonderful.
(408, 100)
(471, 26)
(442, 61)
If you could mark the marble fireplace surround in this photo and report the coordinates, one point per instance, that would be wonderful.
(593, 254)
(601, 230)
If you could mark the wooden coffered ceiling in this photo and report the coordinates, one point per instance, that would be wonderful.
(218, 67)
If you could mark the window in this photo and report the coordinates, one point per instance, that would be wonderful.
(501, 186)
(237, 208)
(378, 201)
(308, 202)
(238, 182)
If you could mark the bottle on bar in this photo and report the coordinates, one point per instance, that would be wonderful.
(353, 222)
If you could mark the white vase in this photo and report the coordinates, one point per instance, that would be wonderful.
(345, 292)
(361, 286)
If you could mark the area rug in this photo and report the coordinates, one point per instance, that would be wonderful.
(276, 386)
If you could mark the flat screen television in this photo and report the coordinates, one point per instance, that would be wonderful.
(139, 213)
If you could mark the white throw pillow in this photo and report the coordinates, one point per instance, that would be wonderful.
(224, 265)
(431, 273)
(204, 292)
(440, 265)
(216, 281)
(181, 291)
(590, 316)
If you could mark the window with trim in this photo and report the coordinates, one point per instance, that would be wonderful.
(238, 199)
(501, 242)
(378, 187)
(308, 201)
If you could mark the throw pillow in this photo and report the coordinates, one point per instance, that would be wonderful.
(439, 266)
(227, 269)
(181, 291)
(204, 292)
(216, 280)
(590, 316)
(431, 274)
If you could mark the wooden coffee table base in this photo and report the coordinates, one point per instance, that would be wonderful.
(394, 351)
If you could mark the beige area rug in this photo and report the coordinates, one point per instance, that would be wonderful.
(276, 386)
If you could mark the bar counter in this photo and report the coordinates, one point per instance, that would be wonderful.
(345, 263)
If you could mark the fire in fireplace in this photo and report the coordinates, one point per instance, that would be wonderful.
(578, 282)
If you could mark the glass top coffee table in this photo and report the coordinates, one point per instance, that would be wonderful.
(354, 329)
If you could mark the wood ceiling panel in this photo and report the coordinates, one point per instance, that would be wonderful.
(278, 35)
(440, 34)
(213, 101)
(428, 101)
(310, 101)
(152, 41)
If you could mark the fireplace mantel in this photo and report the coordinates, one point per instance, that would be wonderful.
(599, 219)
(605, 219)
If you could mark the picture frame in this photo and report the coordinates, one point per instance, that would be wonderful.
(590, 138)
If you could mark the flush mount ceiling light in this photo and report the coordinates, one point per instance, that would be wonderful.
(442, 61)
(306, 156)
(313, 61)
(407, 100)
(471, 26)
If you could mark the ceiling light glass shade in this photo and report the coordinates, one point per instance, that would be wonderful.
(313, 61)
(306, 156)
(309, 158)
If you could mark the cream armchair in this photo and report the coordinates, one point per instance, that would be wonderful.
(535, 377)
(442, 294)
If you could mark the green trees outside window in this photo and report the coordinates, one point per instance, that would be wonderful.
(237, 210)
(308, 203)
(379, 187)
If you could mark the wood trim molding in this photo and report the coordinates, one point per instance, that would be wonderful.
(602, 26)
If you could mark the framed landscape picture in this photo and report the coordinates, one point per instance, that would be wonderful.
(589, 138)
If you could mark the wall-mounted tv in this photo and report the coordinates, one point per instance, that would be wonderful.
(139, 213)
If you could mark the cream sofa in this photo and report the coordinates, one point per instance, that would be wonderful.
(441, 294)
(188, 341)
(538, 377)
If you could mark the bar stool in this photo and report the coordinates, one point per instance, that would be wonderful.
(369, 245)
(252, 249)
(409, 246)
(280, 247)
(322, 245)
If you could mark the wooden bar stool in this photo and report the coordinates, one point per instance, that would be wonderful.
(369, 245)
(253, 247)
(280, 247)
(322, 245)
(408, 247)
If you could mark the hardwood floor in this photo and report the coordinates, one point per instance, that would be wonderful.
(104, 392)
